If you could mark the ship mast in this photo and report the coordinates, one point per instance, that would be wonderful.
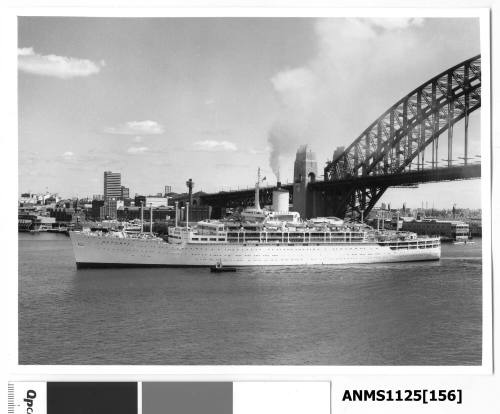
(151, 218)
(142, 217)
(256, 202)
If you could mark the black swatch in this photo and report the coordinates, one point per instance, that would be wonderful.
(92, 398)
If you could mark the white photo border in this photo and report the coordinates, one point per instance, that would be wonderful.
(234, 372)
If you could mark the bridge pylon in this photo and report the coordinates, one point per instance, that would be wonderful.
(305, 171)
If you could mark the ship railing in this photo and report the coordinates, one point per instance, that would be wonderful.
(410, 244)
(296, 237)
(293, 241)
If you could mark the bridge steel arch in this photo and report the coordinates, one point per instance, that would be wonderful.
(396, 142)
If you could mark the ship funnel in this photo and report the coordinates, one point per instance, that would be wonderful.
(280, 200)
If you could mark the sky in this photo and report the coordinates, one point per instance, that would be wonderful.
(162, 100)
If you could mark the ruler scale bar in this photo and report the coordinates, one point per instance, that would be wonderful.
(10, 398)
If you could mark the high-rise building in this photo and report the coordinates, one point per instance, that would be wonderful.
(168, 189)
(112, 185)
(125, 192)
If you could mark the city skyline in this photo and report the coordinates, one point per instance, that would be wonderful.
(424, 204)
(163, 100)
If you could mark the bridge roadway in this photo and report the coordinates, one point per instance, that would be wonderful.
(457, 172)
(246, 197)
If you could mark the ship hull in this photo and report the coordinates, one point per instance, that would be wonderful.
(94, 251)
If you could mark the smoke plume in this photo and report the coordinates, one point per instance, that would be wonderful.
(319, 102)
(281, 139)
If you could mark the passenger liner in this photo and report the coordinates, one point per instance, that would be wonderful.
(257, 237)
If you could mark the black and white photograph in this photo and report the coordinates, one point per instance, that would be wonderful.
(263, 191)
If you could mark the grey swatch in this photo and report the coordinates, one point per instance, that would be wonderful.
(187, 398)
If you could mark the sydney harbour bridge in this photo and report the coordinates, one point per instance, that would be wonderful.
(400, 148)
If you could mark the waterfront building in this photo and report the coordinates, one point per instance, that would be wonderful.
(109, 209)
(96, 208)
(62, 214)
(198, 213)
(27, 199)
(134, 213)
(139, 200)
(112, 185)
(156, 201)
(447, 229)
(34, 222)
(475, 226)
(40, 199)
(168, 190)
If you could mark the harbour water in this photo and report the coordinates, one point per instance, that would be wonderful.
(421, 313)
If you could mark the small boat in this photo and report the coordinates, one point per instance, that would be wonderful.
(41, 228)
(218, 268)
(464, 242)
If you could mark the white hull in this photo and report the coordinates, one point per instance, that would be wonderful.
(111, 251)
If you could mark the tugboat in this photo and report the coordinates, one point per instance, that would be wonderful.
(218, 268)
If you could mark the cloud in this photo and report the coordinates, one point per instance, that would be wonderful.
(231, 165)
(395, 23)
(331, 31)
(211, 145)
(138, 139)
(25, 51)
(62, 67)
(137, 150)
(295, 87)
(216, 132)
(136, 127)
(97, 158)
(320, 100)
(256, 151)
(68, 157)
